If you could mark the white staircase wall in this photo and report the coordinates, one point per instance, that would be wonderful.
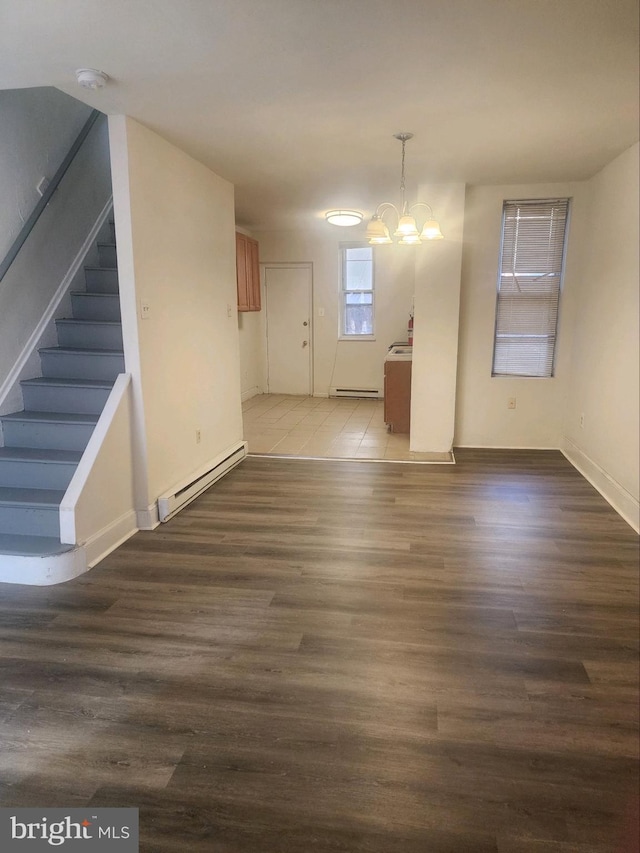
(97, 511)
(176, 255)
(37, 130)
(39, 274)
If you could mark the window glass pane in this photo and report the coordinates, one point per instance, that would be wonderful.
(363, 253)
(357, 285)
(359, 298)
(358, 320)
(358, 275)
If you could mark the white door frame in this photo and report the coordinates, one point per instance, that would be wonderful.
(284, 265)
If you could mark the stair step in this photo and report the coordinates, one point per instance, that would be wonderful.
(107, 255)
(14, 545)
(37, 468)
(49, 394)
(92, 334)
(71, 363)
(32, 512)
(101, 279)
(95, 306)
(51, 430)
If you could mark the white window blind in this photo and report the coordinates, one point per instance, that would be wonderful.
(530, 277)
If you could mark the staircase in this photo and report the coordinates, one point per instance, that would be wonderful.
(44, 443)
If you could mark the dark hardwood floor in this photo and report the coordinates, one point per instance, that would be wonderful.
(356, 657)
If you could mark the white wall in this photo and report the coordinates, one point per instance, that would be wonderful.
(435, 343)
(176, 251)
(482, 416)
(253, 369)
(603, 378)
(37, 129)
(347, 364)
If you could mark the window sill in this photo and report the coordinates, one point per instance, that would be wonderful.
(356, 337)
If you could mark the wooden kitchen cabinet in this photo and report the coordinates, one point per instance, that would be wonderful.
(248, 273)
(397, 395)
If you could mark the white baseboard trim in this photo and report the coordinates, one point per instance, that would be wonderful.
(187, 490)
(611, 490)
(43, 571)
(110, 537)
(357, 393)
(251, 392)
(15, 374)
(148, 519)
(502, 446)
(320, 394)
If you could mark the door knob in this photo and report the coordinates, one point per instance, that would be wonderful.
(305, 323)
(305, 343)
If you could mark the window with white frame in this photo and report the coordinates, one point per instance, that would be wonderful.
(357, 291)
(529, 284)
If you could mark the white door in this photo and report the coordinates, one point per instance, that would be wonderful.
(288, 312)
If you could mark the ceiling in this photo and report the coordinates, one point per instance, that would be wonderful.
(296, 101)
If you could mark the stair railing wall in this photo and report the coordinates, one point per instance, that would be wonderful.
(47, 195)
(48, 262)
(97, 509)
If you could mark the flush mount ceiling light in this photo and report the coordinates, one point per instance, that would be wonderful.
(344, 217)
(407, 226)
(90, 78)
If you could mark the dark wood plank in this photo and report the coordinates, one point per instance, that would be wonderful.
(327, 656)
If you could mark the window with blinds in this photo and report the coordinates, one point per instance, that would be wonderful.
(529, 283)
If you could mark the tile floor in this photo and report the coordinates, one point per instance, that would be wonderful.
(343, 428)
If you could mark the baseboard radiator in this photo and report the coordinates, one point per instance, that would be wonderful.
(171, 503)
(367, 393)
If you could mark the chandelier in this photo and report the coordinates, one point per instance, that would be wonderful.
(407, 225)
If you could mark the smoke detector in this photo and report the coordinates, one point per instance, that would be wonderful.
(89, 78)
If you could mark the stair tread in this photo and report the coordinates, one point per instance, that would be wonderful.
(39, 454)
(108, 243)
(84, 350)
(14, 545)
(51, 417)
(105, 269)
(52, 381)
(79, 321)
(10, 495)
(96, 294)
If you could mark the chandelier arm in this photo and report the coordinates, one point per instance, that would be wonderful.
(381, 209)
(423, 204)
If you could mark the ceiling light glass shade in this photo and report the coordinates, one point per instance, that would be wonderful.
(409, 240)
(407, 227)
(431, 230)
(376, 228)
(380, 241)
(344, 217)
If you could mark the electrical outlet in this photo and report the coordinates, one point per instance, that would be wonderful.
(320, 312)
(198, 436)
(229, 311)
(581, 420)
(145, 310)
(511, 403)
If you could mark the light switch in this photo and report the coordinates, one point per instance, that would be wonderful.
(145, 309)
